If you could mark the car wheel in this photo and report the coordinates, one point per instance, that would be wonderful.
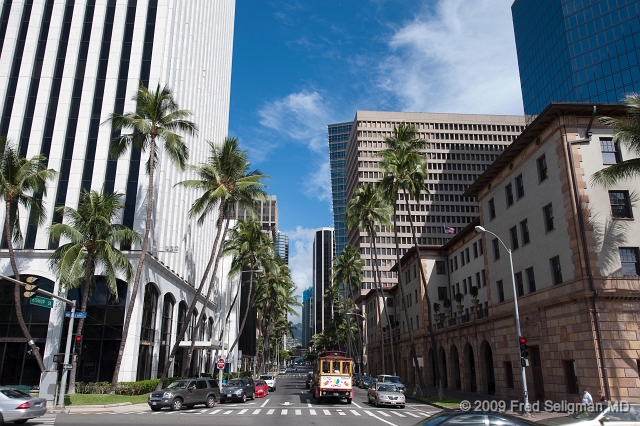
(211, 401)
(348, 400)
(155, 408)
(377, 403)
(176, 405)
(244, 397)
(274, 389)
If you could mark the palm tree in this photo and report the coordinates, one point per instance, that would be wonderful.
(627, 134)
(157, 119)
(404, 171)
(332, 295)
(250, 247)
(367, 210)
(225, 181)
(347, 270)
(20, 179)
(93, 238)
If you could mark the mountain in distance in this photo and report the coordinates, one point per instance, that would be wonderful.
(297, 331)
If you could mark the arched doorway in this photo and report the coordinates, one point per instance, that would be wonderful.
(180, 353)
(455, 367)
(443, 368)
(147, 331)
(469, 369)
(165, 331)
(19, 366)
(486, 360)
(432, 379)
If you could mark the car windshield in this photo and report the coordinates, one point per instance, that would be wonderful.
(387, 388)
(366, 379)
(260, 383)
(392, 379)
(266, 377)
(235, 384)
(14, 393)
(180, 384)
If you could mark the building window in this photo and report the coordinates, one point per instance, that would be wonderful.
(519, 284)
(466, 253)
(629, 261)
(475, 250)
(484, 279)
(500, 291)
(478, 282)
(514, 238)
(548, 217)
(462, 261)
(531, 280)
(509, 371)
(524, 230)
(620, 204)
(496, 249)
(455, 263)
(556, 271)
(543, 173)
(480, 249)
(440, 267)
(571, 378)
(520, 186)
(442, 293)
(610, 151)
(508, 192)
(492, 209)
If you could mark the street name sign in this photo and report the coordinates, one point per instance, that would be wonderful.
(45, 302)
(67, 366)
(75, 314)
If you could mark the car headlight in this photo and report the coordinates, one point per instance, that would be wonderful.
(238, 392)
(167, 395)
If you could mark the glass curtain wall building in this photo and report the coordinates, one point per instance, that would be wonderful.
(576, 51)
(282, 247)
(338, 137)
(323, 252)
(307, 316)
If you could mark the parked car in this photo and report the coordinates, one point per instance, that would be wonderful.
(385, 394)
(283, 371)
(624, 417)
(262, 389)
(17, 406)
(365, 382)
(185, 393)
(309, 380)
(271, 381)
(471, 418)
(385, 378)
(356, 379)
(294, 368)
(238, 390)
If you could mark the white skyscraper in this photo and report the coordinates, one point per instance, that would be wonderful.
(65, 66)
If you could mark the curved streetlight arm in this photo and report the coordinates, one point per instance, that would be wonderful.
(481, 229)
(359, 315)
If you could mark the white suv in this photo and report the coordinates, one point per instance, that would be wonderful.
(271, 381)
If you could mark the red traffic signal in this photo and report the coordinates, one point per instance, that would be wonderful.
(523, 347)
(523, 340)
(79, 339)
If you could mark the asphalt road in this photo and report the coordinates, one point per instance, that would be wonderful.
(290, 404)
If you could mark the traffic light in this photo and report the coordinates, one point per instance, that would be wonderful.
(524, 353)
(77, 345)
(30, 287)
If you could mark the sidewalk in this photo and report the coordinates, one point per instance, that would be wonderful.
(110, 408)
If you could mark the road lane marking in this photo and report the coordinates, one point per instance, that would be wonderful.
(327, 412)
(355, 413)
(342, 413)
(356, 404)
(264, 403)
(215, 411)
(270, 412)
(284, 412)
(383, 413)
(412, 415)
(398, 414)
(256, 411)
(379, 418)
(228, 412)
(309, 403)
(312, 412)
(242, 411)
(298, 412)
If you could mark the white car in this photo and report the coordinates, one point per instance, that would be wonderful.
(271, 381)
(283, 371)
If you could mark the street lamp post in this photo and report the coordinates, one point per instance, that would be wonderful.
(517, 317)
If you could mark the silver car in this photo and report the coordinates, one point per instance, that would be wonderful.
(385, 394)
(17, 406)
(622, 416)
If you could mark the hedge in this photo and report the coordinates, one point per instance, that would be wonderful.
(123, 388)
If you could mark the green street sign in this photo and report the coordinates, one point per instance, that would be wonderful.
(45, 302)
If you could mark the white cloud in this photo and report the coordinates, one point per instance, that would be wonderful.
(318, 183)
(301, 261)
(457, 56)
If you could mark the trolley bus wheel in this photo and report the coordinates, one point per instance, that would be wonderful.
(348, 400)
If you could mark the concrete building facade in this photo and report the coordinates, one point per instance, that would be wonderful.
(338, 136)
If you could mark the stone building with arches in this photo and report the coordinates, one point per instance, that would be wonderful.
(576, 268)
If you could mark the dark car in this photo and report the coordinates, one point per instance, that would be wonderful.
(474, 419)
(238, 390)
(365, 382)
(185, 392)
(309, 380)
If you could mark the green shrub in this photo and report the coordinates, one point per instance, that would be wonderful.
(123, 388)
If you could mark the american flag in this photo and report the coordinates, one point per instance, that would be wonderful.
(449, 230)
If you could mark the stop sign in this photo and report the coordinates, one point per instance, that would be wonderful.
(220, 363)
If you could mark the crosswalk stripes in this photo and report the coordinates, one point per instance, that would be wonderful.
(383, 413)
(355, 413)
(298, 412)
(412, 415)
(257, 411)
(327, 412)
(215, 411)
(270, 412)
(312, 412)
(284, 412)
(398, 414)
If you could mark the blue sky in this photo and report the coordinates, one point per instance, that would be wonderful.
(299, 65)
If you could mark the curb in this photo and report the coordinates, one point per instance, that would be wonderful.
(433, 404)
(67, 409)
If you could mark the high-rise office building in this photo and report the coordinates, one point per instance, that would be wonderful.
(307, 316)
(459, 147)
(65, 66)
(572, 51)
(282, 247)
(323, 252)
(338, 137)
(267, 211)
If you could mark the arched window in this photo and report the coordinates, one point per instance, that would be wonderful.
(165, 331)
(147, 332)
(181, 352)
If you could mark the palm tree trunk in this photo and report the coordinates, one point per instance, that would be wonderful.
(246, 312)
(359, 324)
(381, 291)
(192, 306)
(89, 273)
(226, 320)
(426, 294)
(17, 301)
(209, 290)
